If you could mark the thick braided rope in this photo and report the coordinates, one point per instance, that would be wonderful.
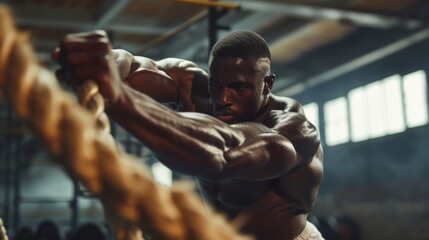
(71, 134)
(3, 235)
(90, 97)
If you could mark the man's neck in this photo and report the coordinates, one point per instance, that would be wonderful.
(265, 109)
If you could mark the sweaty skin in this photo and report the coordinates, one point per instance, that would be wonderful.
(253, 153)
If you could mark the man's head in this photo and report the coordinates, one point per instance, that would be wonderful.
(241, 44)
(240, 80)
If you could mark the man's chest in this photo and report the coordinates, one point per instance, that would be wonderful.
(235, 193)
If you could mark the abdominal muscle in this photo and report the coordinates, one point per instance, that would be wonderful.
(266, 215)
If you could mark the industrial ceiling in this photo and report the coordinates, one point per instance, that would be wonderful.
(311, 40)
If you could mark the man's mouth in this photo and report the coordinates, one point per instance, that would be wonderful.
(224, 116)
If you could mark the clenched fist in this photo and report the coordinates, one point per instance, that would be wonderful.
(88, 55)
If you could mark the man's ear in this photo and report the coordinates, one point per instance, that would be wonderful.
(268, 83)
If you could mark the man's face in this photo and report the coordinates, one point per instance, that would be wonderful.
(237, 88)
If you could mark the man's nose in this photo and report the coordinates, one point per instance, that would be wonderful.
(224, 97)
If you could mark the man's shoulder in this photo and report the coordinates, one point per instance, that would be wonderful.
(288, 119)
(283, 110)
(287, 104)
(178, 65)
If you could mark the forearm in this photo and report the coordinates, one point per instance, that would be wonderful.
(189, 143)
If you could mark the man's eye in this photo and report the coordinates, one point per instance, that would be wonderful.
(214, 85)
(239, 88)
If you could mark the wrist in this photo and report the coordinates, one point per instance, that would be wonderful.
(116, 100)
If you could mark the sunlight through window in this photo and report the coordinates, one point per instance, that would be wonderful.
(393, 108)
(358, 114)
(415, 93)
(336, 124)
(377, 118)
(376, 109)
(384, 107)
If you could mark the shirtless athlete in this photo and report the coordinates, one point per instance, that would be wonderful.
(252, 153)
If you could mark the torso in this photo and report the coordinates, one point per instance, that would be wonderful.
(274, 207)
(277, 207)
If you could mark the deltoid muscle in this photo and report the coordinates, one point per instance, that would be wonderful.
(81, 143)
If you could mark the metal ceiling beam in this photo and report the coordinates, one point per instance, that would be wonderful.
(174, 31)
(120, 28)
(356, 63)
(252, 21)
(30, 16)
(110, 12)
(261, 8)
(375, 20)
(48, 44)
(215, 4)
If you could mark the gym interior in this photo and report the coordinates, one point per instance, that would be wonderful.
(358, 67)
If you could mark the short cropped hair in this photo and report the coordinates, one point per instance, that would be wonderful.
(241, 44)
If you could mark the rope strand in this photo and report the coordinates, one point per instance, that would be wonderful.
(3, 235)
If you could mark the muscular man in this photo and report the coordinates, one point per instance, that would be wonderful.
(253, 153)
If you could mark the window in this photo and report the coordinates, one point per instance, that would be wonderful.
(375, 100)
(377, 109)
(393, 108)
(358, 114)
(336, 121)
(415, 94)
